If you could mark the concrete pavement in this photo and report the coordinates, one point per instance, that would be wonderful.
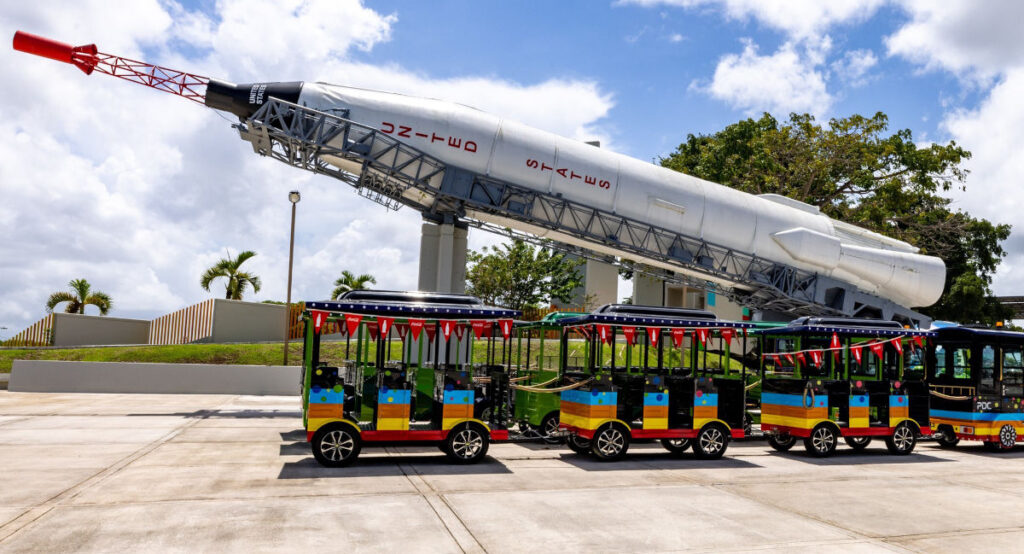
(110, 472)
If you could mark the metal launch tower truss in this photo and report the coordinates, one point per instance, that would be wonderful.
(394, 174)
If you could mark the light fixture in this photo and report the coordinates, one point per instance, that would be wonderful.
(294, 196)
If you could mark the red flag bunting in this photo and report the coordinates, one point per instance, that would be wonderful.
(677, 336)
(727, 335)
(431, 331)
(856, 350)
(919, 340)
(897, 343)
(319, 318)
(416, 327)
(605, 333)
(372, 327)
(478, 327)
(653, 333)
(460, 329)
(702, 334)
(506, 327)
(789, 358)
(446, 328)
(385, 325)
(630, 333)
(403, 329)
(583, 331)
(776, 359)
(817, 358)
(836, 346)
(878, 348)
(800, 356)
(352, 322)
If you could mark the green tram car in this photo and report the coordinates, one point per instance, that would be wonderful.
(672, 392)
(823, 379)
(977, 387)
(424, 390)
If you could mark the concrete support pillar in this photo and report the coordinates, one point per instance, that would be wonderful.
(601, 282)
(647, 290)
(443, 258)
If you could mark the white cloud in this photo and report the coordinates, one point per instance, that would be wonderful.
(675, 37)
(800, 19)
(975, 41)
(138, 191)
(853, 67)
(783, 82)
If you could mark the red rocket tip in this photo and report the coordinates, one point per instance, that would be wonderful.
(82, 57)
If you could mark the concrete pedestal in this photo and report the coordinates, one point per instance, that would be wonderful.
(443, 258)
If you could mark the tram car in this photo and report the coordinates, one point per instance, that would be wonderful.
(826, 379)
(977, 387)
(674, 381)
(425, 389)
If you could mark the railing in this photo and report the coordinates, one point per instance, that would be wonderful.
(39, 333)
(186, 325)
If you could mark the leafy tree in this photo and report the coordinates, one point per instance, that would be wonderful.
(350, 281)
(237, 281)
(81, 295)
(518, 275)
(855, 171)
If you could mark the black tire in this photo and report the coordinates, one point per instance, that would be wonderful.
(857, 443)
(782, 443)
(578, 445)
(822, 441)
(946, 437)
(336, 445)
(676, 446)
(610, 442)
(902, 440)
(549, 425)
(467, 443)
(748, 424)
(1006, 442)
(711, 442)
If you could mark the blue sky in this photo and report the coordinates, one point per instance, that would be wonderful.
(139, 191)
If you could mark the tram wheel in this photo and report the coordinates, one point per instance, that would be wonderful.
(946, 437)
(579, 445)
(336, 445)
(902, 440)
(467, 443)
(548, 427)
(610, 442)
(676, 446)
(857, 443)
(782, 443)
(1007, 439)
(822, 441)
(711, 442)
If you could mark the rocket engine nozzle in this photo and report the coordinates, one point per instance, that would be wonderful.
(83, 57)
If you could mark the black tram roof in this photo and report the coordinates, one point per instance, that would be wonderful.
(412, 304)
(966, 332)
(844, 326)
(654, 311)
(657, 316)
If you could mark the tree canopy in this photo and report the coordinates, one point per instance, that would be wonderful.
(350, 281)
(81, 295)
(854, 170)
(237, 281)
(519, 275)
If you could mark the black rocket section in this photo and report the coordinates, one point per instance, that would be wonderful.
(243, 100)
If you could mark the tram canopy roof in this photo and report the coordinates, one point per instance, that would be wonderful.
(646, 321)
(960, 330)
(412, 304)
(854, 330)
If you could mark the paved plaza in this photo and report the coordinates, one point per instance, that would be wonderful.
(206, 473)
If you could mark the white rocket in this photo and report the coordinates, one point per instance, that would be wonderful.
(769, 226)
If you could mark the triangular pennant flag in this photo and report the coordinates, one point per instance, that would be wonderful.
(817, 358)
(460, 329)
(319, 318)
(385, 325)
(775, 358)
(836, 346)
(654, 333)
(856, 352)
(506, 327)
(584, 331)
(702, 334)
(677, 336)
(403, 329)
(447, 327)
(416, 327)
(605, 333)
(878, 348)
(372, 327)
(727, 335)
(897, 343)
(800, 356)
(919, 340)
(630, 333)
(789, 358)
(352, 322)
(478, 327)
(431, 330)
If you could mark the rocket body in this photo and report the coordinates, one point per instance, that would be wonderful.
(769, 226)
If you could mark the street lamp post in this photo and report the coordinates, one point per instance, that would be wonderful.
(294, 198)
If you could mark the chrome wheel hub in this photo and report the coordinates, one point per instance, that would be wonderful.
(712, 440)
(610, 442)
(467, 443)
(823, 440)
(1007, 436)
(337, 445)
(903, 437)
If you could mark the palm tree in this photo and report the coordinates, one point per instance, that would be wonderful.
(349, 281)
(237, 280)
(81, 295)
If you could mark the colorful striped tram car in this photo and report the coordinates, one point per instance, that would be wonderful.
(539, 366)
(829, 378)
(673, 392)
(429, 393)
(977, 387)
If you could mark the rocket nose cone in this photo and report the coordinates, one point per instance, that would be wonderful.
(243, 100)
